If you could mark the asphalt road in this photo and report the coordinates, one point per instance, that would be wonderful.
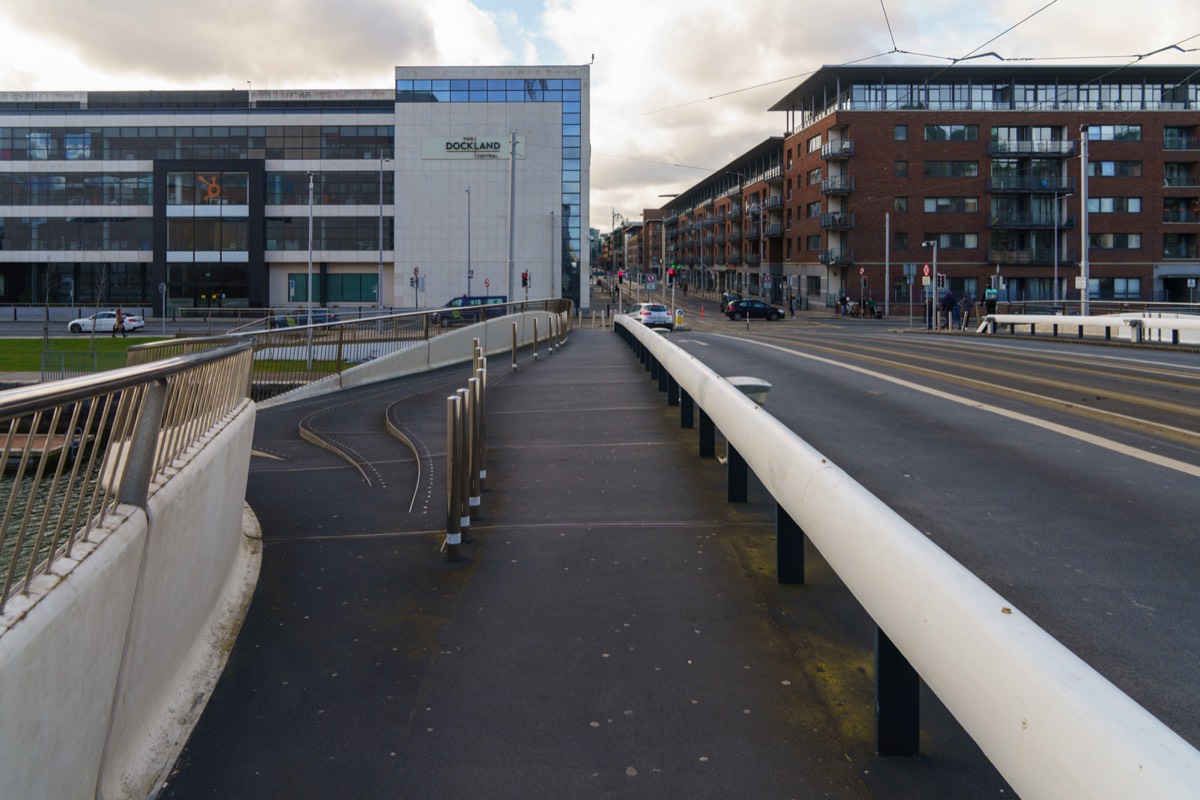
(1064, 475)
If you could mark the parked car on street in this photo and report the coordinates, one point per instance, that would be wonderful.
(752, 309)
(653, 315)
(300, 317)
(467, 309)
(103, 322)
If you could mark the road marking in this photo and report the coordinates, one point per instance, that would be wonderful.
(1054, 427)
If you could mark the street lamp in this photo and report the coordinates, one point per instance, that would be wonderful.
(1056, 197)
(309, 280)
(933, 287)
(379, 284)
(470, 273)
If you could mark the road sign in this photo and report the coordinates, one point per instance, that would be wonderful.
(416, 271)
(862, 270)
(926, 270)
(487, 282)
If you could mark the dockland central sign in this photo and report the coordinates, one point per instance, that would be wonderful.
(438, 147)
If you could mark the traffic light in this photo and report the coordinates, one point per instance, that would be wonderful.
(621, 276)
(525, 278)
(671, 276)
(412, 281)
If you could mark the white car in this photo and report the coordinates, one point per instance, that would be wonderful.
(653, 315)
(103, 322)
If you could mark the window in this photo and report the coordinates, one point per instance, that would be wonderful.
(813, 177)
(814, 144)
(1114, 169)
(1114, 133)
(900, 133)
(957, 241)
(1115, 241)
(1115, 288)
(951, 169)
(813, 243)
(899, 240)
(1114, 205)
(951, 205)
(813, 209)
(900, 205)
(900, 168)
(951, 133)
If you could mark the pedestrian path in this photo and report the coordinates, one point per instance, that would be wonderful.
(613, 628)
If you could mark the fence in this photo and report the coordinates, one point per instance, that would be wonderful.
(1050, 724)
(75, 449)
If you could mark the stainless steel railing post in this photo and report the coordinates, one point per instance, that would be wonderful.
(463, 472)
(474, 491)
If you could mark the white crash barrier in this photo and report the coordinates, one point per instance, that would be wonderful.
(1052, 725)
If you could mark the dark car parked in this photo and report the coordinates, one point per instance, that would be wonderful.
(753, 309)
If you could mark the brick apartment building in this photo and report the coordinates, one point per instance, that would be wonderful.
(987, 161)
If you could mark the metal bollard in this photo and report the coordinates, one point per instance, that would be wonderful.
(453, 485)
(474, 490)
(481, 373)
(514, 347)
(535, 339)
(463, 473)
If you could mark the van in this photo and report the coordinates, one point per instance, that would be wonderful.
(466, 309)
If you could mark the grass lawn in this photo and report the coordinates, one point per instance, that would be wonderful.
(24, 355)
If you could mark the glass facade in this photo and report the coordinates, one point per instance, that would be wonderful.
(568, 94)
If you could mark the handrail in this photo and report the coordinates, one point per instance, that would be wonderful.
(73, 450)
(1050, 723)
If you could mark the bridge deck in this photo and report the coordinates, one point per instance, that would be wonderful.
(614, 629)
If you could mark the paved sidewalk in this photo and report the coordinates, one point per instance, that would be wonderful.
(613, 630)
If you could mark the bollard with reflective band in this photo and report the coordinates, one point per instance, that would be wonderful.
(463, 474)
(535, 339)
(473, 392)
(481, 373)
(453, 485)
(514, 347)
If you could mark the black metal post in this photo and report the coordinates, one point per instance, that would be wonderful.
(708, 436)
(897, 701)
(789, 548)
(739, 475)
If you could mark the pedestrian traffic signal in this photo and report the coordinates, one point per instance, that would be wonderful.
(412, 281)
(621, 276)
(524, 278)
(671, 276)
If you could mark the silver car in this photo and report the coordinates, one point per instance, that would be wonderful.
(653, 315)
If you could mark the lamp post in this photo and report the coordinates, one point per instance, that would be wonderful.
(1056, 198)
(309, 280)
(470, 272)
(379, 284)
(933, 298)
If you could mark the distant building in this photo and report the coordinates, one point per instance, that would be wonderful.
(984, 160)
(107, 196)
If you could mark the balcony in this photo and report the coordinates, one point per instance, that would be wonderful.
(707, 222)
(1024, 183)
(708, 241)
(1180, 181)
(735, 235)
(837, 221)
(840, 184)
(1182, 142)
(720, 237)
(735, 212)
(775, 201)
(733, 258)
(774, 230)
(838, 148)
(1038, 256)
(1061, 149)
(1181, 250)
(1026, 221)
(1180, 215)
(836, 257)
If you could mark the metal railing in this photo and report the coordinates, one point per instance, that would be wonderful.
(1050, 724)
(73, 450)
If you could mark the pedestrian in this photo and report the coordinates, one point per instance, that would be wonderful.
(964, 306)
(119, 325)
(990, 296)
(792, 307)
(845, 304)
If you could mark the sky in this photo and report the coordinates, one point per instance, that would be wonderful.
(679, 87)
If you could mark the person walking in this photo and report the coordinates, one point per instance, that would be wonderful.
(949, 305)
(964, 306)
(119, 325)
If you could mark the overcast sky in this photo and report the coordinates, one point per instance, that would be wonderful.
(679, 87)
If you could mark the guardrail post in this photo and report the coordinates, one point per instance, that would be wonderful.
(687, 409)
(897, 701)
(664, 377)
(708, 436)
(738, 474)
(453, 485)
(789, 548)
(672, 390)
(139, 459)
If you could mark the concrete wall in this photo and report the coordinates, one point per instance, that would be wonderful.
(455, 347)
(102, 665)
